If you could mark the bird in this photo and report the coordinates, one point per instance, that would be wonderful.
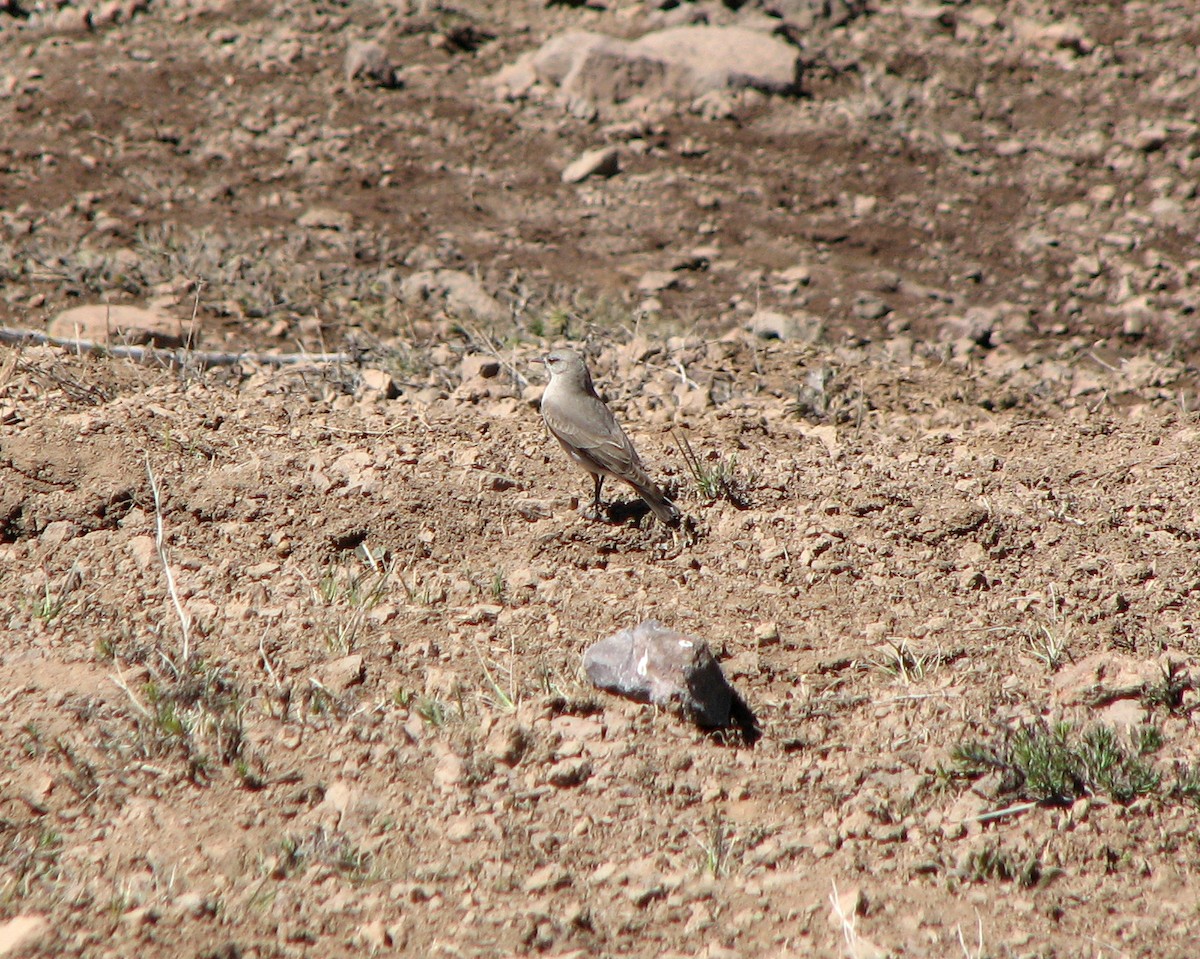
(591, 436)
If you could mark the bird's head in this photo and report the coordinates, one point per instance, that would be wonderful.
(566, 364)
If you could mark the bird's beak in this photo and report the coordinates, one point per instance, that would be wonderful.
(539, 360)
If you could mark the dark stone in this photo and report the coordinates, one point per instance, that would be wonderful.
(653, 664)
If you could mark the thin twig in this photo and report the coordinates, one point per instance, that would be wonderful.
(687, 380)
(364, 433)
(907, 697)
(1108, 366)
(1006, 811)
(164, 357)
(6, 371)
(266, 661)
(491, 347)
(978, 954)
(191, 337)
(849, 932)
(689, 455)
(119, 682)
(185, 621)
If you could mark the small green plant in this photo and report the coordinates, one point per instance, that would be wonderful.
(718, 480)
(419, 593)
(553, 684)
(356, 588)
(321, 701)
(904, 663)
(352, 862)
(1187, 783)
(197, 718)
(49, 606)
(170, 723)
(576, 315)
(251, 776)
(328, 586)
(291, 857)
(80, 774)
(354, 593)
(554, 322)
(431, 710)
(30, 853)
(1043, 757)
(995, 862)
(341, 638)
(323, 847)
(1146, 739)
(1116, 770)
(717, 847)
(496, 696)
(718, 477)
(121, 901)
(1049, 647)
(945, 777)
(497, 585)
(34, 745)
(1052, 763)
(1171, 689)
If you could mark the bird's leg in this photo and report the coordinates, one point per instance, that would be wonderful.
(596, 512)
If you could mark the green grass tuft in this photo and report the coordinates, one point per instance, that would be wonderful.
(1054, 763)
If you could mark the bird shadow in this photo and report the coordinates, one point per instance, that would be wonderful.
(618, 512)
(624, 512)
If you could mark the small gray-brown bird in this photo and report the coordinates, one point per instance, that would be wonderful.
(590, 434)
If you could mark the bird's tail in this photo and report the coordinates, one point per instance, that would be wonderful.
(663, 508)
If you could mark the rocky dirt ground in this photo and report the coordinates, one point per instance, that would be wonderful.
(290, 654)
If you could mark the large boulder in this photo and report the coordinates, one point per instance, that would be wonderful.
(680, 63)
(121, 324)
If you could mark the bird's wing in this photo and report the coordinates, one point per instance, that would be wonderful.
(593, 434)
